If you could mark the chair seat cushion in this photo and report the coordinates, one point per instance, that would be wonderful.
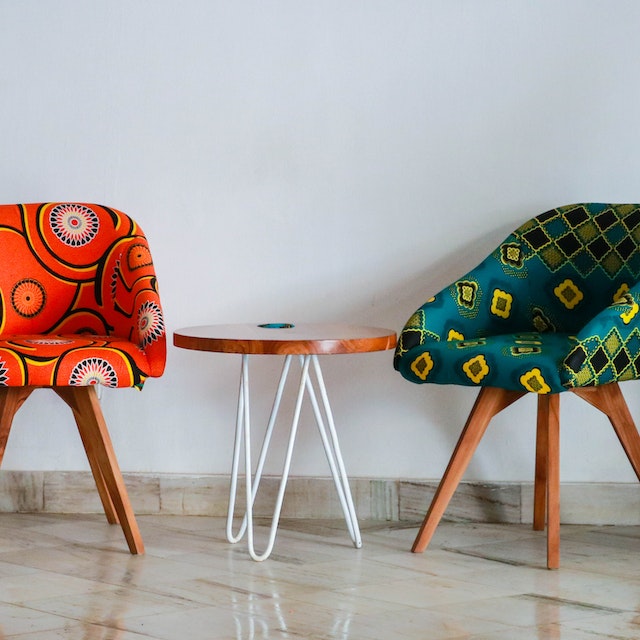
(519, 361)
(71, 360)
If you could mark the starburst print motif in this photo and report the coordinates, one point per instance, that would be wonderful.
(139, 256)
(150, 323)
(28, 298)
(113, 283)
(75, 225)
(93, 371)
(4, 374)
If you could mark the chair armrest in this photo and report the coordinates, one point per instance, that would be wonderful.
(136, 301)
(483, 302)
(607, 348)
(150, 334)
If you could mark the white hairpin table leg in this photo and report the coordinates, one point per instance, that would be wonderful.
(243, 432)
(332, 451)
(252, 481)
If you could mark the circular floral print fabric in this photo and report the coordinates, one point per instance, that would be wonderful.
(79, 302)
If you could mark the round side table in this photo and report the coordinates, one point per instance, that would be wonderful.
(304, 342)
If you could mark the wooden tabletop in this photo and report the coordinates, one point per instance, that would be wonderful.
(285, 339)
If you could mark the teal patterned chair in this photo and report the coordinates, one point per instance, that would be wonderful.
(554, 308)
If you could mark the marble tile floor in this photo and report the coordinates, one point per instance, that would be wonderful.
(71, 577)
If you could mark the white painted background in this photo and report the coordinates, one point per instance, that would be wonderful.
(318, 161)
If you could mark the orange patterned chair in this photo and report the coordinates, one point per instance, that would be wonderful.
(79, 306)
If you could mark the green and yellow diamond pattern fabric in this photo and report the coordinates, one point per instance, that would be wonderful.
(555, 306)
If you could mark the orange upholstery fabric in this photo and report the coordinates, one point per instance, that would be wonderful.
(79, 301)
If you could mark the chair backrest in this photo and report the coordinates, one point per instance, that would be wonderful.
(554, 273)
(70, 268)
(576, 260)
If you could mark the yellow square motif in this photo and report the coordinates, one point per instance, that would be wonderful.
(476, 368)
(501, 303)
(534, 382)
(422, 365)
(568, 293)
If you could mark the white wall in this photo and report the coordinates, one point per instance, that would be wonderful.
(318, 161)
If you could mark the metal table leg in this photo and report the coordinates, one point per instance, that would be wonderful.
(243, 440)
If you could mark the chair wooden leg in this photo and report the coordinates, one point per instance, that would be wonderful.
(489, 402)
(540, 483)
(608, 398)
(549, 428)
(101, 485)
(94, 433)
(11, 399)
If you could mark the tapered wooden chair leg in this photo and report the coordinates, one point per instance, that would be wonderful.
(101, 485)
(489, 402)
(11, 399)
(549, 422)
(540, 482)
(94, 433)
